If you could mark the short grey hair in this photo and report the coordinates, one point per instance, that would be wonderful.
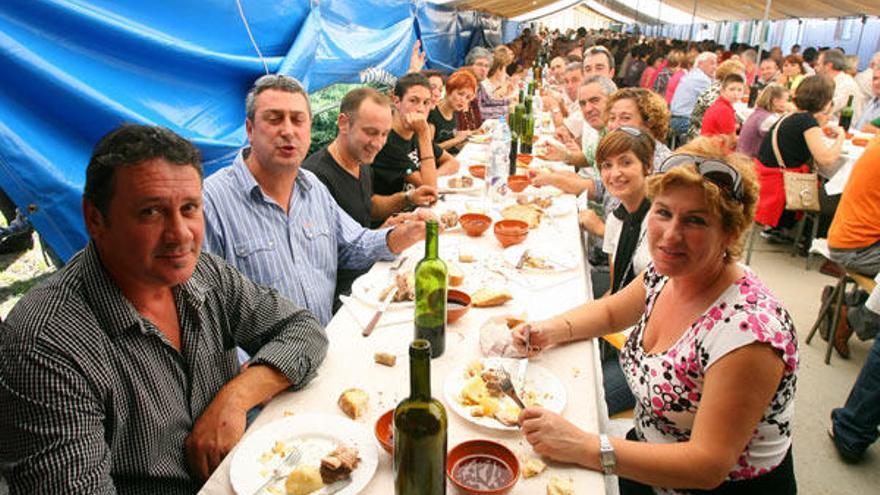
(279, 82)
(475, 53)
(606, 84)
(750, 54)
(834, 57)
(704, 56)
(599, 49)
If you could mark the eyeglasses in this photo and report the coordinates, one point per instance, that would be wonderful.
(713, 170)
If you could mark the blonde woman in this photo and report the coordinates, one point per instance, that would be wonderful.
(712, 359)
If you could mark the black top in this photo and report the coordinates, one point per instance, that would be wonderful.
(398, 159)
(444, 130)
(630, 234)
(354, 194)
(792, 144)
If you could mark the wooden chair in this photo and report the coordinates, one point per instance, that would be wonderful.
(830, 312)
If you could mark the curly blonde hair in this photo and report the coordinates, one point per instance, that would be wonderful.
(652, 108)
(729, 67)
(736, 214)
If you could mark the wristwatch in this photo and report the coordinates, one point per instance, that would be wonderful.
(606, 455)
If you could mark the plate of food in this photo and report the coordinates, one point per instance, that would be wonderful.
(459, 184)
(472, 392)
(331, 451)
(374, 286)
(540, 259)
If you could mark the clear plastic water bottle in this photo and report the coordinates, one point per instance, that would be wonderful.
(499, 161)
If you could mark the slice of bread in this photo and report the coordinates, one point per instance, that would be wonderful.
(485, 298)
(456, 275)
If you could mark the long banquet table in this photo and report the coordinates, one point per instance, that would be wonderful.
(350, 363)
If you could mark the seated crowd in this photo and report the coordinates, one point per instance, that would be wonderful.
(120, 374)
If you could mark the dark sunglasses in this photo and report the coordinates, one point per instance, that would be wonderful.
(715, 171)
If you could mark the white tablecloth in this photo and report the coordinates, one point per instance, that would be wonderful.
(850, 153)
(349, 361)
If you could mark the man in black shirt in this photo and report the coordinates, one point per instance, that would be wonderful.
(409, 156)
(343, 166)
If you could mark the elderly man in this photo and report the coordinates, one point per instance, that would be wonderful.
(119, 374)
(564, 107)
(279, 224)
(864, 78)
(343, 166)
(768, 72)
(832, 63)
(689, 89)
(870, 119)
(485, 105)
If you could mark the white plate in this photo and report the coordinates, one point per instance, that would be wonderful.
(317, 435)
(443, 186)
(560, 260)
(368, 287)
(542, 381)
(560, 209)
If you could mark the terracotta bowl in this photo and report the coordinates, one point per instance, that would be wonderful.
(462, 305)
(860, 142)
(524, 159)
(478, 171)
(384, 430)
(474, 224)
(484, 451)
(510, 232)
(517, 183)
(849, 135)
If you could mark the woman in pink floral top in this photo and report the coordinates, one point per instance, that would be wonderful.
(713, 357)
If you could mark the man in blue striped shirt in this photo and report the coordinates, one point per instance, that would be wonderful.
(277, 223)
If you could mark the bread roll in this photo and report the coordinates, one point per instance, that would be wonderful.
(559, 486)
(353, 402)
(532, 467)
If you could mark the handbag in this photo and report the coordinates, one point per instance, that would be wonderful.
(801, 189)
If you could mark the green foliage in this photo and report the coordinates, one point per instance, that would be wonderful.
(325, 107)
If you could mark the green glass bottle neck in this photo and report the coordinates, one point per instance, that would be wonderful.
(432, 240)
(420, 370)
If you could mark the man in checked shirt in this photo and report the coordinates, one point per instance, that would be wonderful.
(119, 374)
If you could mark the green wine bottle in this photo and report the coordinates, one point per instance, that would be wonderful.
(846, 114)
(420, 431)
(431, 285)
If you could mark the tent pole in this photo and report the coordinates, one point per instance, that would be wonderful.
(761, 39)
(693, 16)
(861, 32)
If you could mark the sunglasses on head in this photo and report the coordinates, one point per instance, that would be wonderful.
(632, 131)
(713, 170)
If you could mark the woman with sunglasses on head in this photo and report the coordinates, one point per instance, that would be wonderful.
(624, 158)
(713, 355)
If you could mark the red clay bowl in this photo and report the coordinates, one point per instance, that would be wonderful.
(524, 158)
(383, 431)
(474, 224)
(466, 467)
(478, 171)
(510, 232)
(457, 304)
(517, 183)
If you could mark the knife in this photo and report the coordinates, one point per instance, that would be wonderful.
(379, 312)
(522, 259)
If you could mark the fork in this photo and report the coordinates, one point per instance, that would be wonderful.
(282, 470)
(507, 386)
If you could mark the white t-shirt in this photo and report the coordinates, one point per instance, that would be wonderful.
(641, 256)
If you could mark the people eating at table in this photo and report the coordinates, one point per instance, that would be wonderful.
(409, 155)
(802, 146)
(119, 373)
(624, 158)
(720, 118)
(278, 223)
(712, 359)
(771, 104)
(343, 167)
(461, 87)
(710, 94)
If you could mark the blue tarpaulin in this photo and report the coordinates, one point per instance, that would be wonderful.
(75, 69)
